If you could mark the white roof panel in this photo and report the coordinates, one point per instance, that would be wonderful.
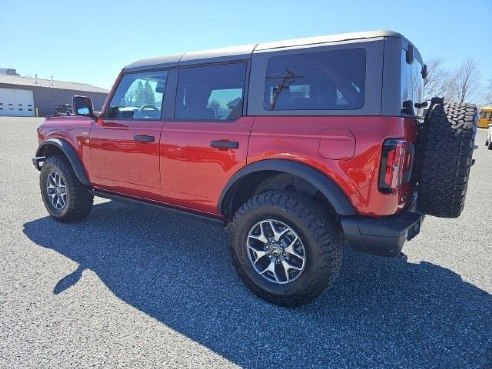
(40, 82)
(245, 51)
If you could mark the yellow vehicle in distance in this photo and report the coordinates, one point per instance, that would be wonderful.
(485, 117)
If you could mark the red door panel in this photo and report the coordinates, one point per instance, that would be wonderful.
(193, 172)
(125, 157)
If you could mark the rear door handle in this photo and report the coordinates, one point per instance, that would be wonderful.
(144, 138)
(219, 144)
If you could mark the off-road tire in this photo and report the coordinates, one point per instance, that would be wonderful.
(489, 146)
(448, 143)
(78, 199)
(316, 229)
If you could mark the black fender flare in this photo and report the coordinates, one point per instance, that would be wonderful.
(323, 183)
(70, 153)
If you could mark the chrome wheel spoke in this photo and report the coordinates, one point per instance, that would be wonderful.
(277, 235)
(51, 181)
(62, 201)
(258, 253)
(268, 230)
(268, 227)
(56, 190)
(290, 249)
(260, 238)
(60, 181)
(287, 265)
(271, 268)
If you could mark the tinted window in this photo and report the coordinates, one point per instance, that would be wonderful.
(412, 85)
(139, 96)
(316, 80)
(213, 92)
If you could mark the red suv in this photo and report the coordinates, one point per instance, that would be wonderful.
(295, 146)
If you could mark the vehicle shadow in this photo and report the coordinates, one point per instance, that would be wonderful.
(380, 311)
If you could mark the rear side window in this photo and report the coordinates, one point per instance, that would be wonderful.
(139, 96)
(412, 85)
(212, 92)
(326, 80)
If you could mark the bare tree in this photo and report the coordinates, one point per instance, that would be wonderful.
(467, 80)
(488, 94)
(438, 79)
(461, 86)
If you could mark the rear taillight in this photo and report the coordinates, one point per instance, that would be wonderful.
(396, 163)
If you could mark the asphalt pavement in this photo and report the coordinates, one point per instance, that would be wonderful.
(136, 287)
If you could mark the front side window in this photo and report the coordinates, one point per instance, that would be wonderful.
(213, 92)
(139, 96)
(323, 80)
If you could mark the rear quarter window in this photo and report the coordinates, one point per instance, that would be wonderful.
(323, 80)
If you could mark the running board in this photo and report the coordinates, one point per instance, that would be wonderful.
(172, 210)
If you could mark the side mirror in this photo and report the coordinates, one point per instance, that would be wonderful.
(409, 53)
(424, 71)
(82, 105)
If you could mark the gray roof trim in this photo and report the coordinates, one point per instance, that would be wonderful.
(326, 39)
(245, 51)
(195, 57)
(156, 62)
(218, 55)
(47, 83)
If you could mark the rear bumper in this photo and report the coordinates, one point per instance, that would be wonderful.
(382, 236)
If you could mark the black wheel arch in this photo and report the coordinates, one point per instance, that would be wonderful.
(61, 145)
(326, 186)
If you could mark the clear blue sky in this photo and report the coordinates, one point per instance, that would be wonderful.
(90, 41)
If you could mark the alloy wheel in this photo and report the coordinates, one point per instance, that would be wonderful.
(276, 251)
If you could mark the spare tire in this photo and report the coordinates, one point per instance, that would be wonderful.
(446, 157)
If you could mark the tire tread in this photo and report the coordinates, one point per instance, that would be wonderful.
(322, 229)
(446, 159)
(81, 200)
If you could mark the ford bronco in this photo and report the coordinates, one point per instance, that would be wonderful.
(298, 147)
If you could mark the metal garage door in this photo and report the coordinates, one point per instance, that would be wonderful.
(17, 103)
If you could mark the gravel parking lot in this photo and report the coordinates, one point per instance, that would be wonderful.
(136, 287)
